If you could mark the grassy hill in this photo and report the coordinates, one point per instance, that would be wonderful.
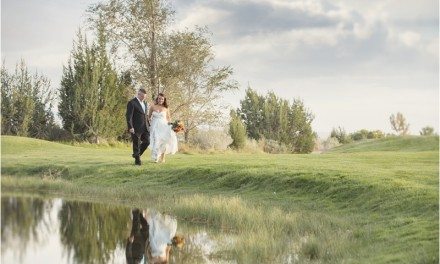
(406, 144)
(374, 202)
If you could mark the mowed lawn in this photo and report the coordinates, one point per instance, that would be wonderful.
(369, 202)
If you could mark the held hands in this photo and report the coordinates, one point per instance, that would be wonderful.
(131, 130)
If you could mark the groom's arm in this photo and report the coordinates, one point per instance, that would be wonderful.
(129, 115)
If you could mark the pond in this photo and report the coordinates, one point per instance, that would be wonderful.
(36, 230)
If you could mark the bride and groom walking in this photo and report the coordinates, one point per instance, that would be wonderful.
(150, 126)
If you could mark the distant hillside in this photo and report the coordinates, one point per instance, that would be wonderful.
(407, 143)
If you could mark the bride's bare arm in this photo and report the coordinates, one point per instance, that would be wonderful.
(168, 116)
(150, 111)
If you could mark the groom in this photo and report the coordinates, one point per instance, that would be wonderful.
(138, 125)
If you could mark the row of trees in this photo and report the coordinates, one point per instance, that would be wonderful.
(270, 117)
(398, 124)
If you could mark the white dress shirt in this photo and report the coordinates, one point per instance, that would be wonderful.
(142, 104)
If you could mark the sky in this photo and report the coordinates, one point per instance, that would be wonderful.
(352, 62)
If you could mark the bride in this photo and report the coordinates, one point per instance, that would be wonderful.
(163, 139)
(162, 235)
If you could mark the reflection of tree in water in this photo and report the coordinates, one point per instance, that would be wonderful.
(92, 232)
(23, 220)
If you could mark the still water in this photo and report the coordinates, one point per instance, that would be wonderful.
(35, 230)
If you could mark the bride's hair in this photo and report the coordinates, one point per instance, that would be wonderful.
(164, 100)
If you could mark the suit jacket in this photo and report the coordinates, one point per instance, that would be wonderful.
(136, 117)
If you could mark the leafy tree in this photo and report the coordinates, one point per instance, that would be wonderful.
(26, 103)
(93, 97)
(427, 131)
(237, 131)
(399, 124)
(137, 27)
(161, 60)
(192, 85)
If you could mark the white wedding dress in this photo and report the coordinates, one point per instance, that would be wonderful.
(163, 139)
(161, 232)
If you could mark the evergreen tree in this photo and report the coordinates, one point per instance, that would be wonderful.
(26, 103)
(237, 131)
(302, 136)
(275, 119)
(284, 128)
(93, 97)
(271, 118)
(251, 112)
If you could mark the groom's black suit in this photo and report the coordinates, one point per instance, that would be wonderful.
(137, 119)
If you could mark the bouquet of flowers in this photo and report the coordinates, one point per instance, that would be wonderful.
(177, 126)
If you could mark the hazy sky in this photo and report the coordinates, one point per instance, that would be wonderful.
(352, 62)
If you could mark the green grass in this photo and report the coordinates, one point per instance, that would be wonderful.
(374, 202)
(406, 144)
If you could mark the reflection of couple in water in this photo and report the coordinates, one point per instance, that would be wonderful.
(151, 238)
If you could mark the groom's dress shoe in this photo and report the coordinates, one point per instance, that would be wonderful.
(137, 161)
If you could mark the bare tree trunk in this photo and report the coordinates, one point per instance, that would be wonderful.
(153, 68)
(153, 54)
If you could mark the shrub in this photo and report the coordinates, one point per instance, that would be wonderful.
(274, 147)
(329, 143)
(210, 139)
(365, 134)
(427, 131)
(340, 135)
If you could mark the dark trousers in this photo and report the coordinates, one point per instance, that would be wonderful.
(135, 247)
(140, 143)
